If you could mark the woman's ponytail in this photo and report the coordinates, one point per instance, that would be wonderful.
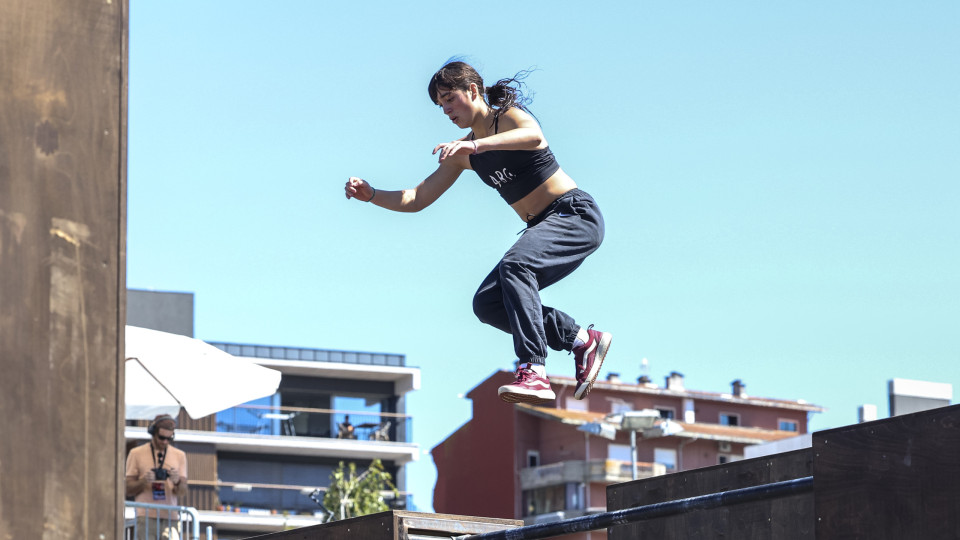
(508, 93)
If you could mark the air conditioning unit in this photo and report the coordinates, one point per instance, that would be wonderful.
(725, 446)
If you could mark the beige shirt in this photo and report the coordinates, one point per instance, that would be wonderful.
(141, 459)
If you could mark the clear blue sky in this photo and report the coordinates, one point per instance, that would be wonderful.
(780, 182)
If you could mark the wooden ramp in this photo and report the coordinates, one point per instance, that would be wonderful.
(397, 525)
(897, 478)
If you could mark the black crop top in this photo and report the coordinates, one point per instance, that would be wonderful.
(513, 173)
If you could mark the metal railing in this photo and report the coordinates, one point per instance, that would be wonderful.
(650, 511)
(167, 523)
(594, 470)
(311, 422)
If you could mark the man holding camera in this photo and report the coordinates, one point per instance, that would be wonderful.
(157, 474)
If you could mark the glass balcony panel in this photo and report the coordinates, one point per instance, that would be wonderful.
(264, 419)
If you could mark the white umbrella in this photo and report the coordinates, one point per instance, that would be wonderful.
(166, 371)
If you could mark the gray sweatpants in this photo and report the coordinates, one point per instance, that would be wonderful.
(553, 245)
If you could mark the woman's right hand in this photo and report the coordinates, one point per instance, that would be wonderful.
(454, 148)
(358, 188)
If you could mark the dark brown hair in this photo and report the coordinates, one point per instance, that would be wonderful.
(162, 421)
(459, 75)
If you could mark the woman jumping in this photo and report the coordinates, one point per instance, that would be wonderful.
(506, 148)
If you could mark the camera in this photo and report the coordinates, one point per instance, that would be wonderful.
(160, 473)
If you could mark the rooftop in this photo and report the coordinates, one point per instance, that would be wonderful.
(738, 434)
(652, 389)
(330, 363)
(314, 355)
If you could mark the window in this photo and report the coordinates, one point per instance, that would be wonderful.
(620, 407)
(533, 458)
(667, 413)
(689, 411)
(788, 425)
(572, 404)
(618, 452)
(550, 499)
(544, 500)
(665, 456)
(729, 419)
(727, 458)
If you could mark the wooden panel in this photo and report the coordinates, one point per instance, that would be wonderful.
(447, 525)
(203, 498)
(202, 467)
(62, 289)
(207, 423)
(787, 518)
(201, 460)
(396, 525)
(373, 527)
(893, 478)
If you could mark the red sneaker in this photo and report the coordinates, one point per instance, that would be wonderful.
(529, 388)
(589, 358)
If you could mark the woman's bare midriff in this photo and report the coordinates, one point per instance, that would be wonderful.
(539, 199)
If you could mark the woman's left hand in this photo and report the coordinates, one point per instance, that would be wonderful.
(454, 148)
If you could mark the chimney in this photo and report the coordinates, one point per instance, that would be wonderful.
(867, 413)
(645, 380)
(738, 387)
(675, 381)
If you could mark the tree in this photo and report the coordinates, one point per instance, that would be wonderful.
(350, 495)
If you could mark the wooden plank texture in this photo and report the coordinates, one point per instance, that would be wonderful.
(62, 223)
(396, 525)
(782, 518)
(896, 478)
(202, 466)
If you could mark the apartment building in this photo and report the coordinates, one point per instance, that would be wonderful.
(542, 463)
(254, 468)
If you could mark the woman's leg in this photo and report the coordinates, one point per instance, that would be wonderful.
(547, 252)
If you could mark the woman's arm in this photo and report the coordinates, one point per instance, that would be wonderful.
(518, 130)
(415, 199)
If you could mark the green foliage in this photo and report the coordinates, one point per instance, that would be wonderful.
(350, 495)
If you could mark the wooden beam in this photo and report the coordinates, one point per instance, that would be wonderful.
(63, 68)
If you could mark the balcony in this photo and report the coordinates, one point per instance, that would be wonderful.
(604, 471)
(266, 508)
(315, 422)
(293, 431)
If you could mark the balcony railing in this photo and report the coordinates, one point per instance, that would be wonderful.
(282, 499)
(163, 522)
(310, 422)
(607, 471)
